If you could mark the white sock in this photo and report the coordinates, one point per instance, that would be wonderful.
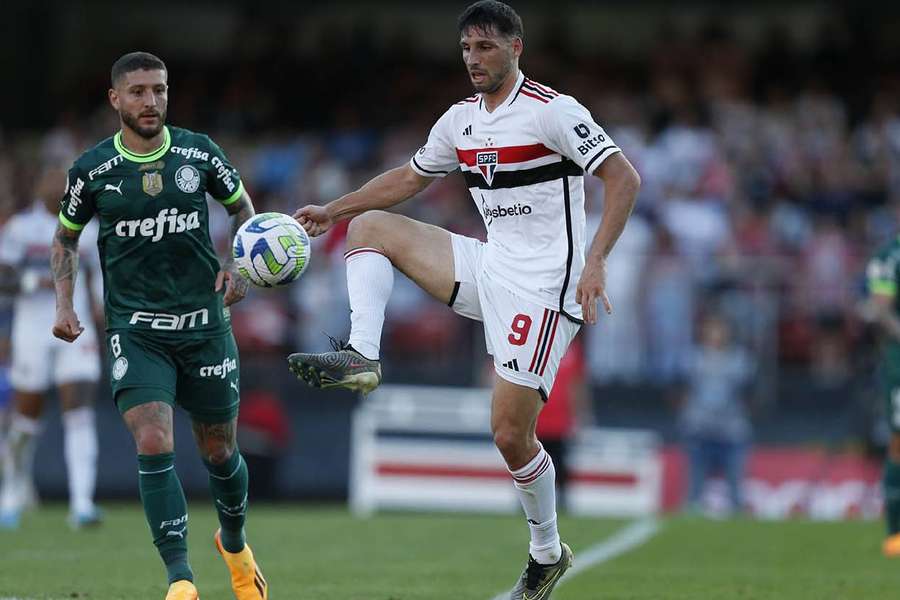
(536, 485)
(370, 278)
(81, 457)
(18, 461)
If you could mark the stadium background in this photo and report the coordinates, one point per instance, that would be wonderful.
(767, 136)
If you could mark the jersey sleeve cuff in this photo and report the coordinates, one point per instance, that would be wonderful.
(69, 224)
(234, 197)
(425, 172)
(883, 288)
(598, 158)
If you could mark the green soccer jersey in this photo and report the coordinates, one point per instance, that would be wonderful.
(157, 259)
(883, 278)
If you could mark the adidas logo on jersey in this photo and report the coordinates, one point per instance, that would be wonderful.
(513, 364)
(467, 130)
(167, 221)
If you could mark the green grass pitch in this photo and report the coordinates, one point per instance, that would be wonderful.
(311, 553)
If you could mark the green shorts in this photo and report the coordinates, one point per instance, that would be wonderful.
(200, 374)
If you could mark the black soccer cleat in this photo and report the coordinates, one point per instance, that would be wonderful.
(537, 580)
(344, 367)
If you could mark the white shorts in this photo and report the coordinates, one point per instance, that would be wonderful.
(40, 362)
(527, 340)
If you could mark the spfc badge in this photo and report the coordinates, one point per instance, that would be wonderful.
(152, 183)
(487, 164)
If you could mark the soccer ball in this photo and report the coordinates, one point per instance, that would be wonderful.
(271, 249)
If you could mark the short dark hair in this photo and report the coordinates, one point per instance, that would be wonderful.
(135, 61)
(490, 14)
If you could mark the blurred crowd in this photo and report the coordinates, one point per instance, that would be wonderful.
(770, 173)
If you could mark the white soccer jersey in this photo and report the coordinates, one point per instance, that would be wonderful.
(524, 165)
(25, 243)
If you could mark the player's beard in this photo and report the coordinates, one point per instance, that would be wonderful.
(145, 132)
(492, 84)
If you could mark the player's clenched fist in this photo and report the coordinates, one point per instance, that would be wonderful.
(314, 219)
(67, 327)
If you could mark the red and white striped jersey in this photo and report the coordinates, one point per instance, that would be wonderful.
(524, 165)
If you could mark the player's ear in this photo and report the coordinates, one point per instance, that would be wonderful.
(113, 98)
(518, 46)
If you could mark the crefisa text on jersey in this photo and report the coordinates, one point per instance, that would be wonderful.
(190, 153)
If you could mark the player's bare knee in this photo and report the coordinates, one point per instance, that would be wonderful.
(512, 444)
(371, 229)
(153, 440)
(218, 454)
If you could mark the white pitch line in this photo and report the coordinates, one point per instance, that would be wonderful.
(627, 538)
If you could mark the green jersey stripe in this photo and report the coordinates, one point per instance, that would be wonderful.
(233, 198)
(883, 287)
(69, 224)
(143, 158)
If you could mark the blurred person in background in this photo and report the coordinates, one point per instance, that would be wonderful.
(883, 277)
(263, 432)
(713, 418)
(523, 149)
(41, 363)
(567, 409)
(167, 295)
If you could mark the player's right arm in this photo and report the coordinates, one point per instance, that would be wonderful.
(76, 209)
(435, 159)
(882, 283)
(64, 264)
(386, 190)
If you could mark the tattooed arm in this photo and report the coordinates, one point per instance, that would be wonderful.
(64, 264)
(235, 285)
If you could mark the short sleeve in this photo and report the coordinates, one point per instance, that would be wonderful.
(437, 158)
(77, 206)
(570, 130)
(881, 276)
(12, 251)
(224, 181)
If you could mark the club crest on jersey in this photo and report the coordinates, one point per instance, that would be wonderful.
(187, 178)
(152, 183)
(487, 164)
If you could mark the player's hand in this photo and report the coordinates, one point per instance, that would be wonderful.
(67, 327)
(592, 286)
(314, 219)
(235, 285)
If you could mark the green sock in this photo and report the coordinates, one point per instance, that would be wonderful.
(228, 484)
(166, 511)
(891, 485)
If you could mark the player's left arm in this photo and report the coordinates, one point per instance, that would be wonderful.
(235, 285)
(570, 129)
(621, 183)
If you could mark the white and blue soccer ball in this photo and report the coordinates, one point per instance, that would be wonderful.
(271, 249)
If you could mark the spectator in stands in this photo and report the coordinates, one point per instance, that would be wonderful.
(713, 417)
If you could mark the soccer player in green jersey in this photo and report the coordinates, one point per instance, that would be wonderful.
(883, 275)
(168, 332)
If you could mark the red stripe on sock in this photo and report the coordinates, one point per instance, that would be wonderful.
(357, 251)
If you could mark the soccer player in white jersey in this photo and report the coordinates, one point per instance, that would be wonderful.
(523, 149)
(41, 362)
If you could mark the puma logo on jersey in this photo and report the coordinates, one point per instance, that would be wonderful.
(235, 387)
(167, 221)
(177, 533)
(114, 188)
